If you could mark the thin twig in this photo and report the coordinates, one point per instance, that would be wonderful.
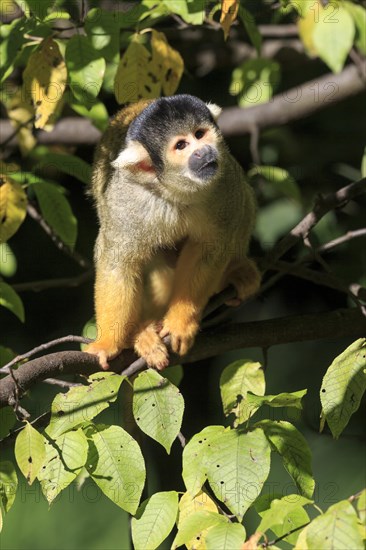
(46, 345)
(9, 138)
(343, 239)
(46, 284)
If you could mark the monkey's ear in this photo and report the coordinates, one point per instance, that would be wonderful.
(214, 109)
(134, 157)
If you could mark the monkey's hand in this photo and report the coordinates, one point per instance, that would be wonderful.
(182, 327)
(104, 351)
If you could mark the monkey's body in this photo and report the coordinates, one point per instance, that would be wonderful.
(173, 232)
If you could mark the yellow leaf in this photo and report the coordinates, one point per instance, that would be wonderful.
(44, 80)
(21, 115)
(167, 64)
(187, 506)
(132, 81)
(306, 25)
(229, 12)
(13, 207)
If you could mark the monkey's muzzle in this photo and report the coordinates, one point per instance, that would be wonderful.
(203, 162)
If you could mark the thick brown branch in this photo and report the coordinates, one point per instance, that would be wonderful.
(291, 105)
(296, 328)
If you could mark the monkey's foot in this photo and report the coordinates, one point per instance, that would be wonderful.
(182, 333)
(150, 347)
(246, 281)
(103, 352)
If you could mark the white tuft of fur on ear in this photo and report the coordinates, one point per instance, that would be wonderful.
(133, 155)
(214, 109)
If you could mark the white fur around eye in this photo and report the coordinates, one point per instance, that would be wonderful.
(214, 109)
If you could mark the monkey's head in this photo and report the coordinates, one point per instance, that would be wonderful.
(174, 142)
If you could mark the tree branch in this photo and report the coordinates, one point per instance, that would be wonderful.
(296, 328)
(288, 106)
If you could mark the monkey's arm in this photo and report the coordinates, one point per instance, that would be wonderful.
(118, 293)
(197, 278)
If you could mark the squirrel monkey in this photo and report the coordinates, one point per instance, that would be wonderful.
(176, 215)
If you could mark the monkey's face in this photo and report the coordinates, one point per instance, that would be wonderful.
(194, 154)
(173, 145)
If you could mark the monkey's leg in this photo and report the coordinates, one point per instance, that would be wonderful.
(117, 309)
(150, 346)
(244, 276)
(196, 280)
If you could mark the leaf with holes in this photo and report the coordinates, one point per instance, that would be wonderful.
(167, 64)
(56, 210)
(30, 452)
(235, 382)
(65, 457)
(13, 207)
(82, 403)
(44, 80)
(132, 81)
(194, 525)
(157, 407)
(238, 467)
(154, 520)
(189, 506)
(281, 400)
(195, 455)
(343, 386)
(116, 464)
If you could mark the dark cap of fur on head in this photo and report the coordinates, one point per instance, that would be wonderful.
(164, 118)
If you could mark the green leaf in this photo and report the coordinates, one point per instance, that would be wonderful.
(82, 403)
(65, 457)
(98, 113)
(56, 210)
(8, 485)
(361, 506)
(191, 11)
(102, 28)
(194, 524)
(236, 380)
(358, 14)
(292, 446)
(154, 520)
(35, 7)
(11, 300)
(280, 178)
(157, 407)
(30, 452)
(12, 40)
(276, 219)
(343, 386)
(195, 455)
(283, 515)
(90, 331)
(9, 264)
(116, 464)
(281, 400)
(85, 69)
(255, 81)
(238, 467)
(69, 164)
(333, 36)
(337, 528)
(226, 536)
(250, 26)
(13, 207)
(57, 15)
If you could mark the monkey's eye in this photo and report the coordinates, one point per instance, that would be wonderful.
(199, 134)
(181, 144)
